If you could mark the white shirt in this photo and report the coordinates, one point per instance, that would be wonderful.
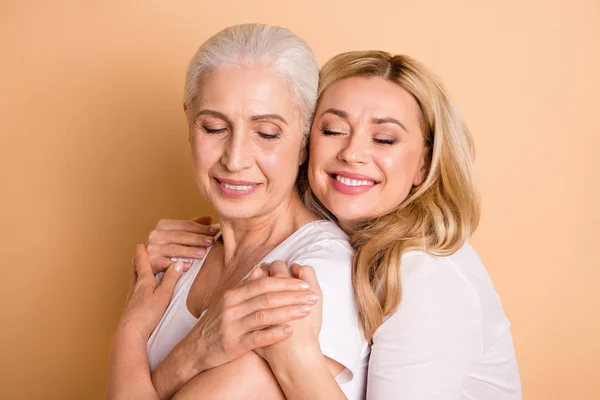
(449, 338)
(323, 246)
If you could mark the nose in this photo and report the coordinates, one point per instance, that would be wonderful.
(238, 153)
(354, 151)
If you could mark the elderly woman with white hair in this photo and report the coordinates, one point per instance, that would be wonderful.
(250, 93)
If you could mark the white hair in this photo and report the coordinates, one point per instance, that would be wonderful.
(264, 45)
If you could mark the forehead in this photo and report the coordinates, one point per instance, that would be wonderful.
(245, 89)
(371, 97)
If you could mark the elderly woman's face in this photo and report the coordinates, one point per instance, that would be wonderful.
(246, 138)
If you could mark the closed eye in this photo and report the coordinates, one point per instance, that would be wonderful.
(331, 133)
(269, 136)
(213, 131)
(385, 141)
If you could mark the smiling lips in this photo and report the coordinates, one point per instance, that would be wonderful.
(349, 183)
(236, 189)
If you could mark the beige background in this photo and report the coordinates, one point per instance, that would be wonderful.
(94, 151)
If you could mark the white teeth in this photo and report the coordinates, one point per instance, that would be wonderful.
(353, 182)
(236, 187)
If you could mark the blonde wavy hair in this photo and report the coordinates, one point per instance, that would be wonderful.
(438, 216)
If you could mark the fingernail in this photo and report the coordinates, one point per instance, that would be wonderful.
(213, 229)
(178, 266)
(200, 252)
(313, 298)
(286, 329)
(186, 266)
(303, 309)
(208, 240)
(303, 285)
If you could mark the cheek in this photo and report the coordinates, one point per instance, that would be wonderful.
(399, 170)
(322, 152)
(205, 154)
(280, 163)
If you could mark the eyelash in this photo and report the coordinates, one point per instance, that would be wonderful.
(269, 137)
(387, 142)
(213, 131)
(262, 135)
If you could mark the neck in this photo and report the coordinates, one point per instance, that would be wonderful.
(347, 226)
(249, 238)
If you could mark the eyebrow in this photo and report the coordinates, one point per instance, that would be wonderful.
(268, 116)
(217, 114)
(377, 121)
(213, 113)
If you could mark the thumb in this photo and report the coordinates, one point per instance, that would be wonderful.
(203, 220)
(256, 273)
(169, 280)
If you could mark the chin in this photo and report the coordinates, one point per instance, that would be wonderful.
(232, 212)
(352, 217)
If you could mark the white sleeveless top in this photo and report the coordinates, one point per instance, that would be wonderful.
(323, 246)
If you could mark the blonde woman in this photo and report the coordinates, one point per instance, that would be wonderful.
(392, 162)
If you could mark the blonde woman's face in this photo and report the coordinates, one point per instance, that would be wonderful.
(367, 149)
(246, 138)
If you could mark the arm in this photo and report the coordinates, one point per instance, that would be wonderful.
(303, 372)
(425, 349)
(248, 377)
(299, 365)
(129, 374)
(253, 314)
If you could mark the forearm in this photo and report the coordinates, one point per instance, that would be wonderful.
(303, 373)
(175, 371)
(129, 372)
(247, 377)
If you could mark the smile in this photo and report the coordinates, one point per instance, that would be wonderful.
(351, 184)
(236, 189)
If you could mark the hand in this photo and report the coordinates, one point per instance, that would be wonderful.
(307, 329)
(174, 238)
(254, 314)
(146, 301)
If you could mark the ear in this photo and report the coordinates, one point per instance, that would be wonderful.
(185, 107)
(423, 168)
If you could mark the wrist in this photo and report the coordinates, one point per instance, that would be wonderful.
(294, 361)
(129, 333)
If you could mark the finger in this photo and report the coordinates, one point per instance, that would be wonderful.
(278, 269)
(307, 274)
(255, 273)
(133, 272)
(173, 250)
(207, 220)
(182, 225)
(266, 337)
(181, 237)
(203, 220)
(273, 316)
(252, 288)
(160, 264)
(275, 300)
(169, 280)
(142, 263)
